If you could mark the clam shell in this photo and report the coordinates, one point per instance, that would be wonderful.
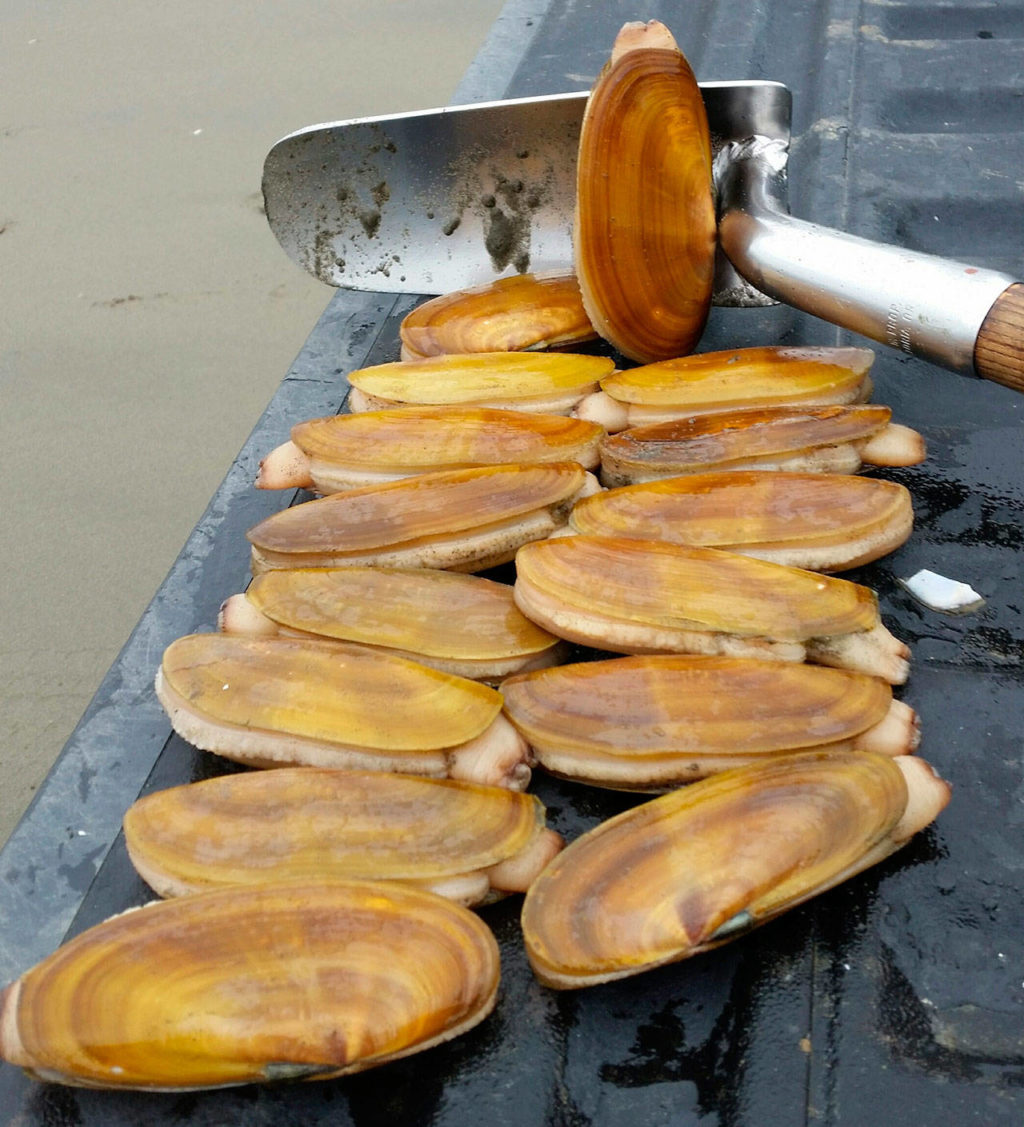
(824, 522)
(658, 592)
(649, 596)
(467, 520)
(302, 979)
(549, 382)
(525, 311)
(441, 834)
(462, 624)
(655, 722)
(297, 702)
(737, 379)
(705, 863)
(822, 440)
(348, 451)
(645, 271)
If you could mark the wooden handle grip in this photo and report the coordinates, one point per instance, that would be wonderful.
(999, 348)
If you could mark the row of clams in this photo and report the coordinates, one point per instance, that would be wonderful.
(674, 628)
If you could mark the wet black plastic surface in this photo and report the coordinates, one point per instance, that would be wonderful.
(899, 996)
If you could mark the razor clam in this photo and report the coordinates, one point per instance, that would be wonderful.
(468, 842)
(652, 723)
(525, 311)
(546, 382)
(646, 269)
(307, 979)
(770, 376)
(465, 520)
(823, 522)
(806, 439)
(461, 624)
(647, 596)
(272, 702)
(347, 451)
(705, 864)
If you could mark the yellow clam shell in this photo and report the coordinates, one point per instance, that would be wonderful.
(302, 979)
(441, 834)
(298, 702)
(462, 624)
(736, 379)
(705, 863)
(551, 382)
(525, 311)
(824, 522)
(644, 235)
(654, 722)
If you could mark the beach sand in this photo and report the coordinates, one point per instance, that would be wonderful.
(148, 313)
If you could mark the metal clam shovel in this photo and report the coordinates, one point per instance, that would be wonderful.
(439, 200)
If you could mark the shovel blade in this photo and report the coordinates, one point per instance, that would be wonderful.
(439, 200)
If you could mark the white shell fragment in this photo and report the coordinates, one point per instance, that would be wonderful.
(937, 592)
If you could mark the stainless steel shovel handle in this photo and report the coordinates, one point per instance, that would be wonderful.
(953, 314)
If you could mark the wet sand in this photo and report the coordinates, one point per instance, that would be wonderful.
(148, 313)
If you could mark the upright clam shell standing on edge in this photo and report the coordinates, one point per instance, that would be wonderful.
(706, 863)
(467, 842)
(644, 233)
(278, 702)
(306, 979)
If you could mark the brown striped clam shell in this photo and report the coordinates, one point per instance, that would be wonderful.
(649, 596)
(524, 311)
(704, 864)
(654, 722)
(462, 840)
(466, 520)
(348, 451)
(835, 439)
(306, 979)
(644, 234)
(823, 522)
